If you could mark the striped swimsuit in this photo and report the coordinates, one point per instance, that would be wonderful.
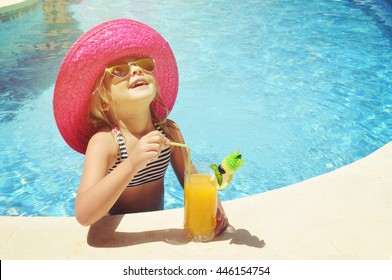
(154, 170)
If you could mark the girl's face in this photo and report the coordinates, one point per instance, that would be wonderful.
(135, 89)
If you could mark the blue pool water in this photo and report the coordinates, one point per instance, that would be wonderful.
(301, 87)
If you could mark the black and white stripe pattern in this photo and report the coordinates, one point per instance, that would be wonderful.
(153, 171)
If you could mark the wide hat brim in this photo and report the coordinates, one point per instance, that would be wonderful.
(87, 59)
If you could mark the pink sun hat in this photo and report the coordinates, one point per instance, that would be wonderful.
(87, 59)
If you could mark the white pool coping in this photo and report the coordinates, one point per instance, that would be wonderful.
(7, 3)
(15, 5)
(344, 214)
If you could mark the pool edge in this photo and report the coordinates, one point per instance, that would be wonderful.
(344, 214)
(14, 8)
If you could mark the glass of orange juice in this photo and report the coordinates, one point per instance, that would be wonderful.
(200, 203)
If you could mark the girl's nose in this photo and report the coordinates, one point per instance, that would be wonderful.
(136, 70)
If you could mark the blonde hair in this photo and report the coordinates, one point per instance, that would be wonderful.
(100, 103)
(101, 114)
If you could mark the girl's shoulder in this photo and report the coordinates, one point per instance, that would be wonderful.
(171, 124)
(103, 140)
(171, 127)
(174, 131)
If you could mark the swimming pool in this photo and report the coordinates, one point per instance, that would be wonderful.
(301, 87)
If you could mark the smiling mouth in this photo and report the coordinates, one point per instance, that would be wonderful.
(138, 83)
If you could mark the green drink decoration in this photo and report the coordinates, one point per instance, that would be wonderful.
(223, 173)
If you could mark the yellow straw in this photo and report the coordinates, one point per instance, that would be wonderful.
(189, 154)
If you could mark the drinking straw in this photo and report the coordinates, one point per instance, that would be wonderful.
(189, 155)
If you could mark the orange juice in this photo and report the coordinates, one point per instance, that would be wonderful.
(200, 204)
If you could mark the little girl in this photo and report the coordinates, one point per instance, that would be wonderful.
(114, 90)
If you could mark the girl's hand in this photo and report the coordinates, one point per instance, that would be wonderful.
(148, 148)
(221, 221)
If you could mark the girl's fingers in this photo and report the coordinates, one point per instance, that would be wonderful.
(158, 137)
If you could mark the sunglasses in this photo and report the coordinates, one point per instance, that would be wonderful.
(123, 70)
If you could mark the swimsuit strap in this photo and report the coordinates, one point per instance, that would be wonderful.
(121, 143)
(154, 170)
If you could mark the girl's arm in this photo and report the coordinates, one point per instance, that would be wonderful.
(179, 156)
